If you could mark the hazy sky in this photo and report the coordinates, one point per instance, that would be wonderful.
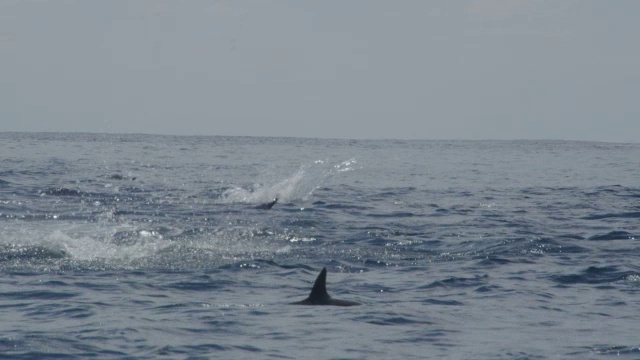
(467, 69)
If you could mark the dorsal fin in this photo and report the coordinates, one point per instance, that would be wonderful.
(319, 293)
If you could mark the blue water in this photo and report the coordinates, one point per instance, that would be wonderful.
(147, 247)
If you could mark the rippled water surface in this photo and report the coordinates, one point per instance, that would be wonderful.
(140, 246)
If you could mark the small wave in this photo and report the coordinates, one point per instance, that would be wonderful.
(40, 295)
(457, 282)
(118, 176)
(613, 235)
(395, 214)
(616, 350)
(13, 252)
(493, 260)
(593, 275)
(442, 302)
(394, 319)
(627, 215)
(205, 284)
(61, 191)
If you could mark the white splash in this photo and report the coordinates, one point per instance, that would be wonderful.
(298, 186)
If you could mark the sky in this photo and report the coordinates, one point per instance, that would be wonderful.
(361, 69)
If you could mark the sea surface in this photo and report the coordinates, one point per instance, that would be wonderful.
(150, 247)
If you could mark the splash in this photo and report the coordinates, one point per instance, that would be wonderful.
(298, 186)
(67, 246)
(99, 232)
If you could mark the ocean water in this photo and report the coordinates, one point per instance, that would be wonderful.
(150, 247)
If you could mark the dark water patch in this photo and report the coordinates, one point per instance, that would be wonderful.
(391, 215)
(396, 191)
(7, 173)
(117, 176)
(171, 351)
(97, 286)
(457, 282)
(493, 261)
(435, 337)
(392, 319)
(608, 189)
(61, 191)
(594, 275)
(229, 326)
(510, 354)
(464, 210)
(292, 266)
(441, 212)
(570, 237)
(375, 263)
(634, 194)
(301, 223)
(536, 191)
(14, 306)
(503, 247)
(442, 302)
(199, 285)
(38, 295)
(170, 308)
(616, 350)
(12, 252)
(377, 241)
(249, 348)
(345, 207)
(52, 283)
(397, 230)
(613, 235)
(205, 349)
(36, 355)
(487, 288)
(624, 215)
(611, 302)
(50, 312)
(8, 344)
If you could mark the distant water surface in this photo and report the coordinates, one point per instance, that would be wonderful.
(141, 246)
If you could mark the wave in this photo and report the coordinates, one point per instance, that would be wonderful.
(614, 235)
(627, 215)
(594, 275)
(20, 252)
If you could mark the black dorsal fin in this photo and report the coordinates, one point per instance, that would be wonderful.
(319, 293)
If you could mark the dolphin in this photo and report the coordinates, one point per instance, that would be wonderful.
(267, 206)
(319, 295)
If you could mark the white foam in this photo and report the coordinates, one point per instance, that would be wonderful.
(114, 245)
